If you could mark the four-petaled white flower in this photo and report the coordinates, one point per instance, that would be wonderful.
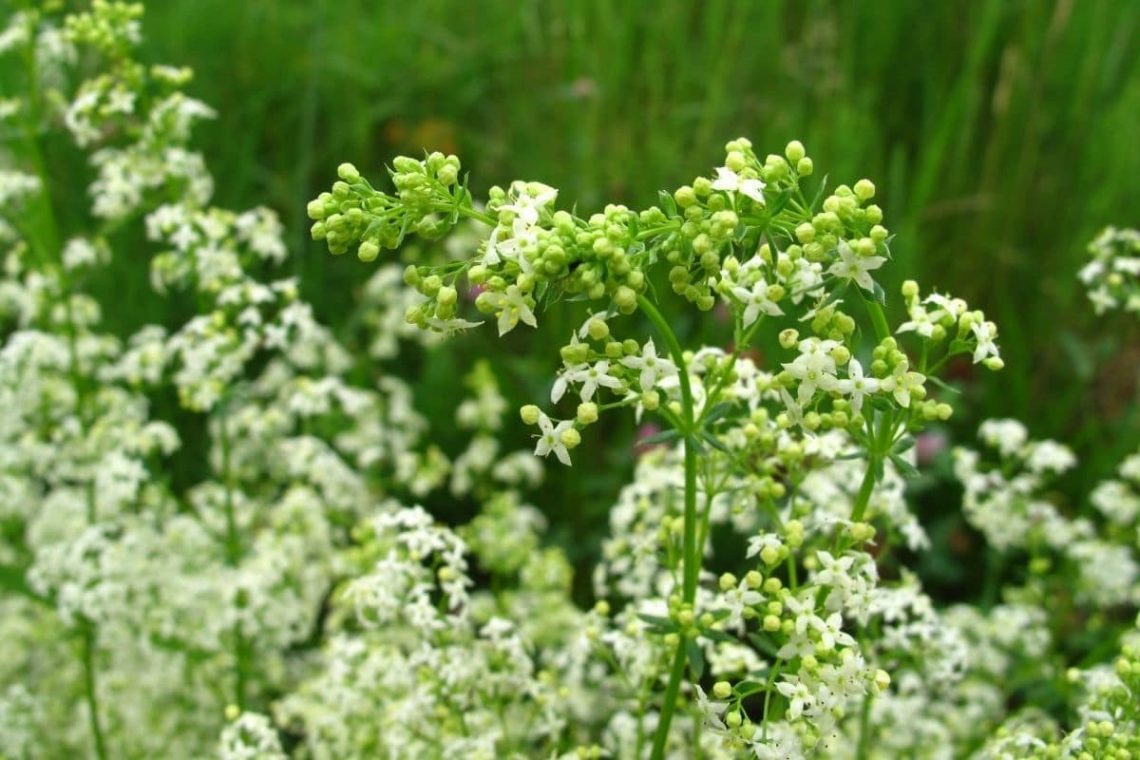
(710, 710)
(512, 307)
(857, 386)
(921, 322)
(902, 382)
(756, 300)
(852, 266)
(530, 199)
(730, 182)
(652, 366)
(591, 379)
(985, 333)
(737, 599)
(814, 367)
(550, 438)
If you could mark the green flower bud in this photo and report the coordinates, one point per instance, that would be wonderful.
(804, 167)
(446, 296)
(575, 353)
(795, 151)
(407, 165)
(864, 189)
(430, 285)
(587, 413)
(478, 274)
(530, 414)
(368, 251)
(316, 210)
(348, 172)
(571, 438)
(625, 299)
(722, 689)
(910, 289)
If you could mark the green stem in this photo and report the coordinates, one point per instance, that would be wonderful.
(691, 553)
(878, 318)
(669, 706)
(863, 749)
(863, 498)
(90, 691)
(233, 559)
(768, 689)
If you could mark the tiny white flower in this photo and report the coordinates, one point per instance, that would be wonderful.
(550, 438)
(857, 386)
(852, 266)
(652, 366)
(985, 333)
(756, 300)
(591, 378)
(902, 382)
(730, 182)
(512, 307)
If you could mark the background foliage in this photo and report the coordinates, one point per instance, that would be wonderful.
(1001, 136)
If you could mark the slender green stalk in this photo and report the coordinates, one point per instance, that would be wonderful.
(866, 488)
(863, 749)
(691, 553)
(233, 558)
(669, 705)
(90, 690)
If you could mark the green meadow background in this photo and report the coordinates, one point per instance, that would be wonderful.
(1002, 135)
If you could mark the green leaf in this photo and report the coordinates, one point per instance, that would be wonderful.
(665, 436)
(721, 636)
(696, 657)
(695, 442)
(713, 441)
(779, 203)
(943, 385)
(659, 625)
(906, 443)
(718, 411)
(907, 469)
(879, 294)
(819, 194)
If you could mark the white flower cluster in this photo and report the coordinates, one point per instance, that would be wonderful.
(1008, 503)
(206, 543)
(1112, 276)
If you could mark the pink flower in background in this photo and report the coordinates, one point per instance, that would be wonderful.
(929, 445)
(641, 447)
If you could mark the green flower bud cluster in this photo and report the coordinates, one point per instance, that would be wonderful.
(354, 214)
(112, 27)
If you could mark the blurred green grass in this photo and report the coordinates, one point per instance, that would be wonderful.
(1001, 134)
